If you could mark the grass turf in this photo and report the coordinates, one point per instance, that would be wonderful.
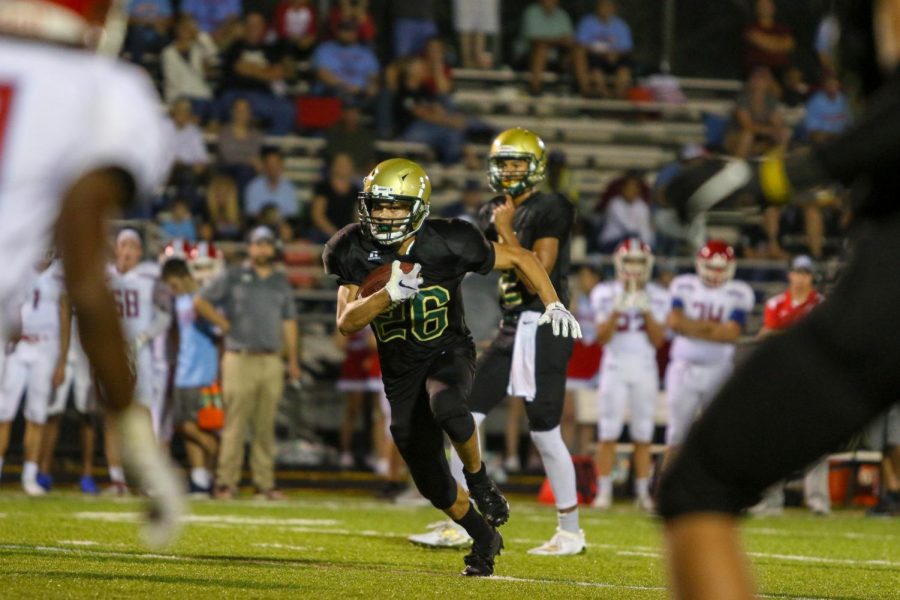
(319, 545)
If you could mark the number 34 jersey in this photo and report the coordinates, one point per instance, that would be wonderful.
(434, 320)
(732, 301)
(630, 338)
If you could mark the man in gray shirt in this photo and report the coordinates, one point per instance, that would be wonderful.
(258, 319)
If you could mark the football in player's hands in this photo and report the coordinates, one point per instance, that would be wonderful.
(376, 280)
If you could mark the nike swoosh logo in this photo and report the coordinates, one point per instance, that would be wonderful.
(407, 287)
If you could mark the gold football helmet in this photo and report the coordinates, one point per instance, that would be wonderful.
(392, 184)
(520, 145)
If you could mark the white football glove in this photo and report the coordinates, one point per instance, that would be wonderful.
(564, 323)
(403, 286)
(622, 303)
(640, 302)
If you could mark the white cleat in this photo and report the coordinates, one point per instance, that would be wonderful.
(563, 543)
(155, 474)
(443, 534)
(33, 489)
(602, 502)
(645, 503)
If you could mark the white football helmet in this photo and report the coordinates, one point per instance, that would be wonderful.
(633, 260)
(716, 263)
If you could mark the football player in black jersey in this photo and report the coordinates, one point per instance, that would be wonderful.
(525, 359)
(426, 351)
(804, 393)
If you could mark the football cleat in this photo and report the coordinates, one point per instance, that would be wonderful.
(117, 488)
(88, 485)
(563, 543)
(45, 480)
(645, 503)
(32, 488)
(490, 502)
(480, 561)
(443, 534)
(602, 502)
(156, 476)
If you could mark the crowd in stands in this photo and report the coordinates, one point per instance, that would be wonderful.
(236, 81)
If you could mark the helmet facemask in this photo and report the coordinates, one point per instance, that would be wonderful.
(390, 230)
(716, 270)
(514, 181)
(634, 268)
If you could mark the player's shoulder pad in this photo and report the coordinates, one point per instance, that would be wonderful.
(740, 289)
(683, 283)
(603, 291)
(337, 248)
(148, 269)
(654, 290)
(454, 229)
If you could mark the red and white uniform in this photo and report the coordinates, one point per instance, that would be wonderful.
(65, 112)
(782, 310)
(78, 379)
(30, 367)
(628, 374)
(142, 307)
(698, 368)
(584, 364)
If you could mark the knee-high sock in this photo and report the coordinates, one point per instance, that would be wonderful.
(558, 466)
(456, 466)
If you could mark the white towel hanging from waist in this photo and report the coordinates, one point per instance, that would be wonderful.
(521, 373)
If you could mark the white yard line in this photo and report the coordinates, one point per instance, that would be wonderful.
(232, 520)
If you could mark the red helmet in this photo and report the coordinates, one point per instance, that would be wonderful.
(633, 260)
(177, 248)
(205, 261)
(716, 263)
(97, 24)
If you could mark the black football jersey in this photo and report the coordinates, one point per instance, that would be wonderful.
(434, 320)
(541, 215)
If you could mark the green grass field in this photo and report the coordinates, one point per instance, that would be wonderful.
(319, 545)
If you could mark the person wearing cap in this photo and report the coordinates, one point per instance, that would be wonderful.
(258, 319)
(344, 67)
(783, 311)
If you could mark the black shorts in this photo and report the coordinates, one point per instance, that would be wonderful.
(801, 394)
(418, 435)
(551, 363)
(601, 62)
(187, 401)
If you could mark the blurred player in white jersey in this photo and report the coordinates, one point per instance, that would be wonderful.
(580, 411)
(36, 366)
(80, 138)
(631, 324)
(709, 311)
(79, 382)
(145, 311)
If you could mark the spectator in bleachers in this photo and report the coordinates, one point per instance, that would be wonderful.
(414, 24)
(827, 112)
(223, 211)
(546, 36)
(350, 135)
(346, 68)
(255, 69)
(467, 207)
(827, 36)
(756, 124)
(420, 116)
(297, 25)
(184, 64)
(148, 27)
(220, 19)
(189, 153)
(439, 75)
(179, 223)
(240, 144)
(334, 199)
(356, 11)
(603, 52)
(795, 90)
(767, 43)
(560, 178)
(475, 20)
(627, 215)
(271, 187)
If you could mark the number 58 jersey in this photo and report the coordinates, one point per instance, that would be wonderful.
(65, 112)
(434, 320)
(732, 301)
